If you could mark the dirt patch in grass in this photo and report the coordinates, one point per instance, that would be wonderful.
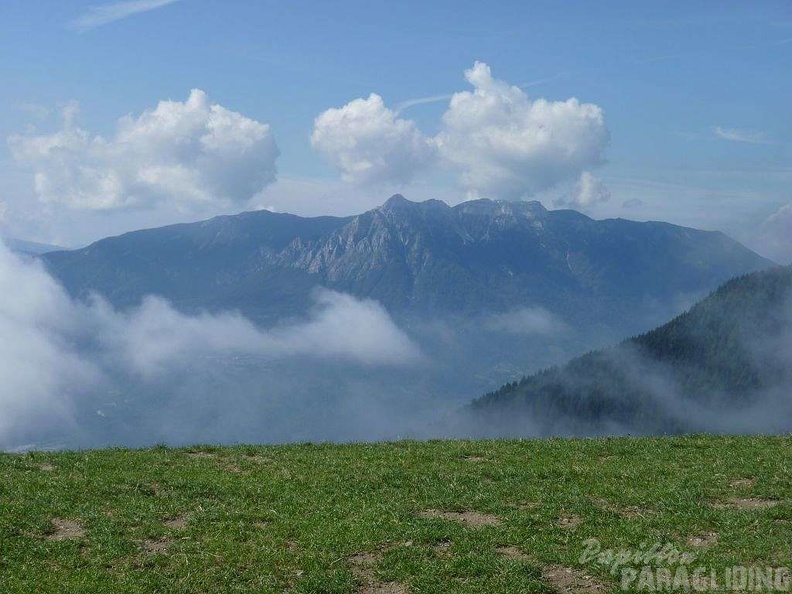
(569, 521)
(176, 523)
(154, 546)
(746, 503)
(442, 549)
(512, 552)
(568, 580)
(474, 458)
(707, 539)
(46, 467)
(63, 529)
(629, 512)
(362, 564)
(743, 483)
(362, 567)
(386, 588)
(469, 519)
(154, 489)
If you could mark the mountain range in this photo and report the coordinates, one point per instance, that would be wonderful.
(485, 291)
(417, 259)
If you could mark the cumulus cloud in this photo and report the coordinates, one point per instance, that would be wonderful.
(499, 142)
(190, 154)
(774, 238)
(588, 191)
(369, 144)
(55, 349)
(507, 145)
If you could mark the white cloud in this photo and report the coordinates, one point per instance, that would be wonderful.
(39, 368)
(369, 144)
(97, 16)
(774, 238)
(588, 191)
(55, 350)
(154, 337)
(506, 145)
(499, 142)
(189, 154)
(737, 135)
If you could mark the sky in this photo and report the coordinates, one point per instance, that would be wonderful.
(123, 115)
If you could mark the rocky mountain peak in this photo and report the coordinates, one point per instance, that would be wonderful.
(397, 202)
(499, 208)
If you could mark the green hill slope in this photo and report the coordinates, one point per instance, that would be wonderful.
(461, 517)
(726, 364)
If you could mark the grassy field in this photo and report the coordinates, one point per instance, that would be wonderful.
(437, 517)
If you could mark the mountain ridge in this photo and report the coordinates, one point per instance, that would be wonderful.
(414, 257)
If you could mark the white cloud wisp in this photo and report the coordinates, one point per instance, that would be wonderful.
(98, 16)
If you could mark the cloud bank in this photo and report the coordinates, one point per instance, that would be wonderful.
(151, 338)
(189, 154)
(498, 142)
(40, 369)
(56, 350)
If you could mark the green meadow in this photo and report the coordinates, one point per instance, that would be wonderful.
(438, 517)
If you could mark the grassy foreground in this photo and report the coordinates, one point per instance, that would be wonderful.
(437, 517)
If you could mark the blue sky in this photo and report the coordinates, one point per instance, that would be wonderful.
(694, 96)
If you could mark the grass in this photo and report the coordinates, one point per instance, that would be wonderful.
(373, 518)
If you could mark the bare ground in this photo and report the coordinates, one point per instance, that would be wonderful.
(63, 529)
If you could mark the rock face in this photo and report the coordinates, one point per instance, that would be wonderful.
(416, 258)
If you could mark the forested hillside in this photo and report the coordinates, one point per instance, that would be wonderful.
(731, 354)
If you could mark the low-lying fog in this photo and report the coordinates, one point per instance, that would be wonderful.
(80, 374)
